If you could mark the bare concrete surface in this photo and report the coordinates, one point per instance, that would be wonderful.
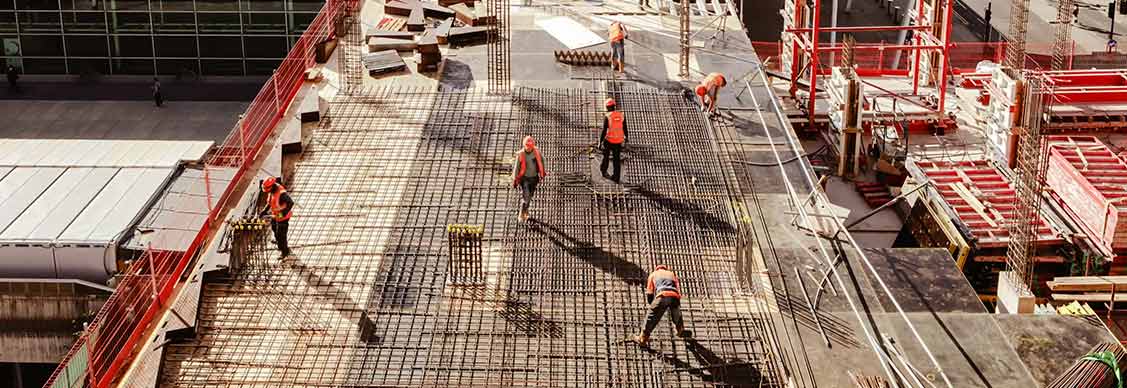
(119, 120)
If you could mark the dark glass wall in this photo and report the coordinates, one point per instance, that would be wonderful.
(166, 37)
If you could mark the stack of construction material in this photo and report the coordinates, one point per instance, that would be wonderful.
(383, 62)
(1089, 288)
(429, 55)
(1088, 178)
(1100, 368)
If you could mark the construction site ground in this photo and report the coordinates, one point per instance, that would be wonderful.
(365, 299)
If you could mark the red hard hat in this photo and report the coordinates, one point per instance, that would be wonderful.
(268, 184)
(610, 102)
(701, 90)
(528, 142)
(661, 266)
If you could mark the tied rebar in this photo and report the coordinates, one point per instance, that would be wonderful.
(583, 58)
(465, 265)
(249, 239)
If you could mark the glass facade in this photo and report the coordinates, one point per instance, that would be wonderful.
(146, 37)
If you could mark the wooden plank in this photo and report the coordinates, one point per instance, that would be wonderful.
(1119, 297)
(436, 11)
(1088, 283)
(428, 43)
(974, 203)
(382, 44)
(460, 36)
(390, 34)
(464, 14)
(383, 62)
(398, 8)
(416, 22)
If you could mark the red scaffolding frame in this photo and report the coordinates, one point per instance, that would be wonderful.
(930, 46)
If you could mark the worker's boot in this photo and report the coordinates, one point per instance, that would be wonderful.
(682, 333)
(524, 216)
(642, 339)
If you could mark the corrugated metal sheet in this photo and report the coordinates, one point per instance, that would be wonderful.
(64, 204)
(99, 153)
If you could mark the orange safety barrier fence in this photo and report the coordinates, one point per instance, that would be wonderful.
(105, 349)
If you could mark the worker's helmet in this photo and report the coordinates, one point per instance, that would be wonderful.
(610, 102)
(661, 267)
(701, 90)
(529, 142)
(268, 184)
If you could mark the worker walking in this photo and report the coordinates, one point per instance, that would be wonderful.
(528, 170)
(13, 76)
(708, 89)
(158, 97)
(663, 292)
(617, 38)
(613, 137)
(279, 206)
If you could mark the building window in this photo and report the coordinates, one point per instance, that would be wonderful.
(86, 46)
(42, 45)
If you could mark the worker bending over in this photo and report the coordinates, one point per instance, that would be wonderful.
(617, 38)
(613, 137)
(663, 292)
(708, 89)
(528, 170)
(279, 206)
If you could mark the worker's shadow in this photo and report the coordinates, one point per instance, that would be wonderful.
(713, 368)
(686, 210)
(600, 258)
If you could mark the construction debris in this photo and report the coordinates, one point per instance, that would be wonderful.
(583, 58)
(429, 55)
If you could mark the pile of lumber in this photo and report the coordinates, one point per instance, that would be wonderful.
(471, 16)
(1097, 369)
(407, 29)
(383, 62)
(1089, 288)
(429, 55)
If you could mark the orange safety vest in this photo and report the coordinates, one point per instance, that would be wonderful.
(663, 282)
(615, 134)
(276, 206)
(714, 81)
(616, 33)
(520, 159)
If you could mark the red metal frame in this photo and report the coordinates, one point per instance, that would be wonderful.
(983, 181)
(1090, 180)
(112, 337)
(925, 41)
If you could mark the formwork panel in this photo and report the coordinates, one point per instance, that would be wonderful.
(1089, 180)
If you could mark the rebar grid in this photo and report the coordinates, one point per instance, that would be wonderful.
(498, 48)
(391, 168)
(1062, 45)
(1019, 20)
(1032, 160)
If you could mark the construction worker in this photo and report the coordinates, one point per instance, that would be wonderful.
(663, 292)
(613, 137)
(528, 170)
(279, 206)
(617, 38)
(708, 89)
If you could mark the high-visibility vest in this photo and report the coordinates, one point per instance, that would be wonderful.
(663, 282)
(616, 33)
(615, 134)
(523, 165)
(714, 81)
(276, 206)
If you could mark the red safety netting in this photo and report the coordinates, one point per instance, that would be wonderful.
(106, 347)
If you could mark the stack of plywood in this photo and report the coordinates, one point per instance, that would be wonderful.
(1091, 183)
(1089, 288)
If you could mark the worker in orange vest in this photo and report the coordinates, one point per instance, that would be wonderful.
(617, 38)
(613, 137)
(708, 89)
(279, 206)
(663, 292)
(528, 170)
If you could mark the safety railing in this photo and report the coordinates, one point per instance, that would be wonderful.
(874, 59)
(108, 344)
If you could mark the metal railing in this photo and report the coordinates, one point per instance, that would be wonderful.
(108, 344)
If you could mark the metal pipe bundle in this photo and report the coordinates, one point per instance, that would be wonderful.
(1097, 369)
